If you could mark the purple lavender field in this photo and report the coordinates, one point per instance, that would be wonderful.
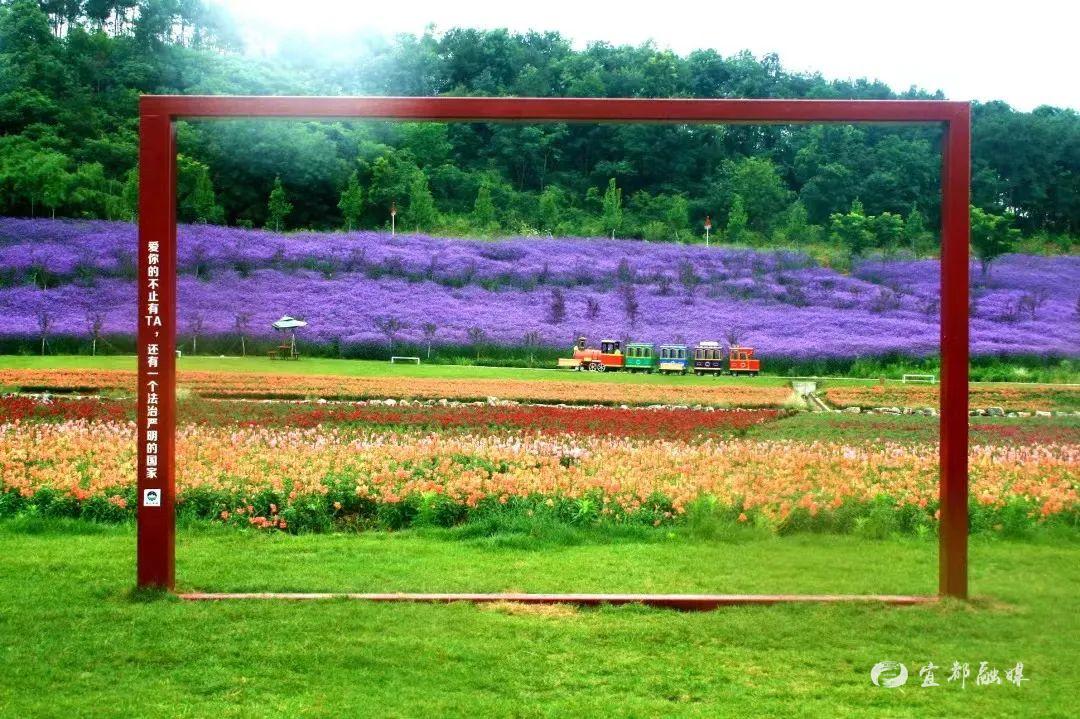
(347, 285)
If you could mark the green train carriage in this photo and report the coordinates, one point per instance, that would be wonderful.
(640, 357)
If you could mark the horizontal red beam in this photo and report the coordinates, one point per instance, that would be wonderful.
(551, 109)
(687, 602)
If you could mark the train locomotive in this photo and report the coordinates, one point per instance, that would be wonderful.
(705, 358)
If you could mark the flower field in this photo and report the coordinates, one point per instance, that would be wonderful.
(242, 384)
(1015, 397)
(303, 466)
(75, 273)
(1019, 398)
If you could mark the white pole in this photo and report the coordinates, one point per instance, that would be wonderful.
(706, 235)
(393, 225)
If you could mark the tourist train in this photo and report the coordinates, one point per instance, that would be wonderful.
(704, 359)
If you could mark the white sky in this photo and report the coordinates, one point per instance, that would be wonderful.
(1024, 52)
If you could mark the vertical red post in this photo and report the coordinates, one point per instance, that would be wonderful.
(955, 228)
(156, 419)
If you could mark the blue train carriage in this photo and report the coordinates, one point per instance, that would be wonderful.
(708, 358)
(673, 359)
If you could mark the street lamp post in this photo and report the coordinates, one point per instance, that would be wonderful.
(393, 219)
(708, 226)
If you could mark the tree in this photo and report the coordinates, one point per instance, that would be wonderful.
(737, 221)
(689, 279)
(484, 209)
(477, 335)
(69, 68)
(421, 211)
(242, 321)
(351, 203)
(55, 181)
(888, 231)
(196, 200)
(557, 309)
(797, 223)
(611, 215)
(531, 340)
(129, 195)
(991, 237)
(852, 230)
(550, 208)
(630, 303)
(429, 329)
(196, 328)
(757, 182)
(278, 207)
(390, 326)
(914, 229)
(44, 322)
(677, 215)
(203, 202)
(94, 323)
(592, 308)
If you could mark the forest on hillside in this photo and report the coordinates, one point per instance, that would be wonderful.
(71, 72)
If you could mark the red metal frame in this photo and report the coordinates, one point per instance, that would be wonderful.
(157, 284)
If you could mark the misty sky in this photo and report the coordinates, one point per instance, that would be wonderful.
(1025, 53)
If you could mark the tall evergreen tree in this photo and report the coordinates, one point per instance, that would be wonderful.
(611, 217)
(278, 207)
(421, 211)
(351, 203)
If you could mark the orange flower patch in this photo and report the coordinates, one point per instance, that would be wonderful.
(239, 384)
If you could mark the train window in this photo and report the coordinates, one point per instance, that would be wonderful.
(663, 353)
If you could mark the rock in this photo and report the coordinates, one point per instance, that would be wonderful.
(443, 402)
(995, 412)
(853, 410)
(1042, 413)
(908, 410)
(1011, 414)
(390, 402)
(1023, 414)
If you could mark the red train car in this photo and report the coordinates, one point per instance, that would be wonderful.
(609, 356)
(741, 360)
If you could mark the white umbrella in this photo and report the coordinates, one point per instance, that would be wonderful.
(288, 323)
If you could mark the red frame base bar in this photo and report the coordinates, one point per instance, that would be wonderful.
(156, 420)
(684, 602)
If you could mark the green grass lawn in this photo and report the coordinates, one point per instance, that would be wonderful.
(75, 642)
